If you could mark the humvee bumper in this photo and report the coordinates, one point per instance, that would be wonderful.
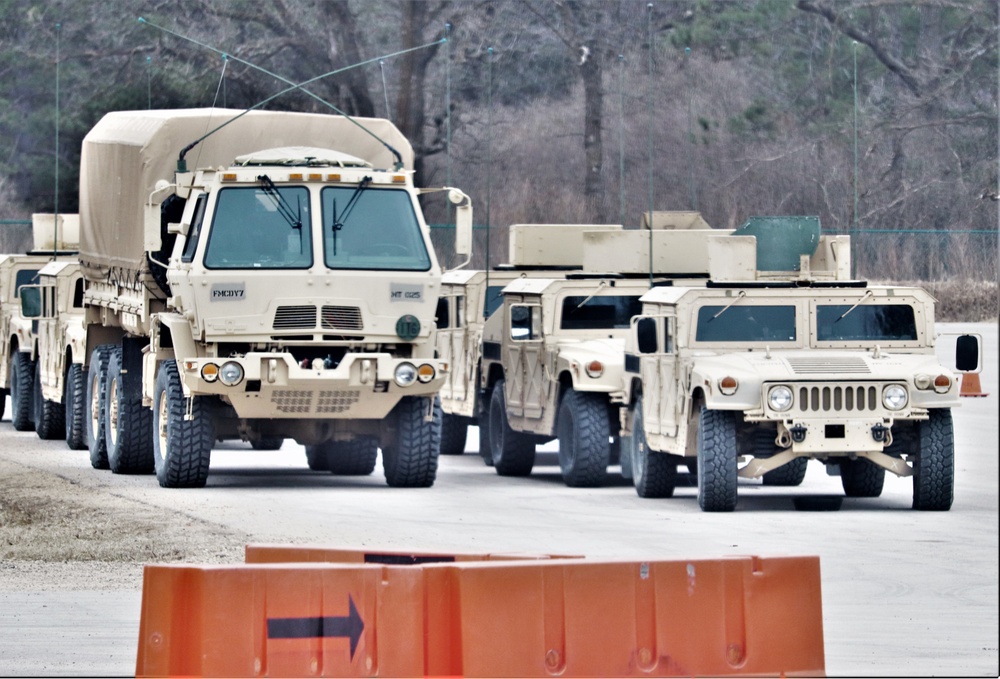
(822, 436)
(273, 385)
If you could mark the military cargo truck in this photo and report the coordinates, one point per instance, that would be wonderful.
(783, 358)
(58, 352)
(285, 288)
(53, 238)
(469, 297)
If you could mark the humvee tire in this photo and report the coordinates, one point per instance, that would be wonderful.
(717, 472)
(934, 464)
(48, 415)
(74, 405)
(316, 458)
(3, 402)
(128, 426)
(513, 452)
(182, 448)
(267, 442)
(21, 381)
(454, 430)
(411, 460)
(94, 407)
(356, 457)
(484, 434)
(861, 478)
(583, 429)
(654, 474)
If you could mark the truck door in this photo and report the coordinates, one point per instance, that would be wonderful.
(526, 372)
(658, 370)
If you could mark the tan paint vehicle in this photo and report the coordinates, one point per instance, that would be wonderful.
(469, 297)
(59, 352)
(278, 291)
(51, 241)
(753, 376)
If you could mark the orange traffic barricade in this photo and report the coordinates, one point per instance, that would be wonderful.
(545, 617)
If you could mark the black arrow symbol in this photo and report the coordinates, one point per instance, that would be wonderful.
(350, 626)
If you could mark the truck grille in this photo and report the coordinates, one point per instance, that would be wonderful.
(341, 318)
(305, 402)
(820, 365)
(295, 317)
(862, 398)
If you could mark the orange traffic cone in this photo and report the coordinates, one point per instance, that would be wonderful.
(971, 385)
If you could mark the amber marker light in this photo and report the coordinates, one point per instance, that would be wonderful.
(399, 179)
(727, 385)
(942, 383)
(210, 372)
(425, 373)
(295, 177)
(595, 369)
(228, 176)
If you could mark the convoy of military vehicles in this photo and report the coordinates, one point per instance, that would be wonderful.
(286, 288)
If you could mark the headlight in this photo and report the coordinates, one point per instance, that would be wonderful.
(425, 373)
(405, 374)
(894, 397)
(595, 369)
(779, 398)
(210, 372)
(231, 373)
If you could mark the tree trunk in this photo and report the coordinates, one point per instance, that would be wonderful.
(593, 146)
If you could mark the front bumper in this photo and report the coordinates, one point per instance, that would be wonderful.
(361, 386)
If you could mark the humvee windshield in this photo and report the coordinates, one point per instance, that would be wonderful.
(250, 232)
(866, 322)
(746, 324)
(494, 298)
(380, 230)
(599, 313)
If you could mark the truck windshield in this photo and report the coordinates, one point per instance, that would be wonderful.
(381, 231)
(868, 322)
(249, 231)
(746, 324)
(599, 312)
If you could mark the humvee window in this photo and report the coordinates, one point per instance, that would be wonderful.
(525, 322)
(442, 312)
(494, 298)
(380, 231)
(746, 324)
(250, 232)
(193, 232)
(869, 322)
(599, 313)
(78, 294)
(24, 277)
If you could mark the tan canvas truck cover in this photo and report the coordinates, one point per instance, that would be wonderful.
(128, 152)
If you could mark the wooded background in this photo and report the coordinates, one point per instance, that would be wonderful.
(588, 111)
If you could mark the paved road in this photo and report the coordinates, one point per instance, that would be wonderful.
(904, 593)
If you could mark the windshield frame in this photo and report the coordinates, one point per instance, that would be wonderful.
(918, 321)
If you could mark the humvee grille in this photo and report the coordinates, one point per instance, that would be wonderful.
(305, 402)
(829, 365)
(294, 317)
(342, 318)
(837, 398)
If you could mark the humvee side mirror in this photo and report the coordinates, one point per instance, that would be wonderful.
(645, 335)
(967, 353)
(31, 301)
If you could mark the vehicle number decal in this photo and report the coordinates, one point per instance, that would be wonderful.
(228, 292)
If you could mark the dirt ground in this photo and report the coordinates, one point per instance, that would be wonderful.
(57, 535)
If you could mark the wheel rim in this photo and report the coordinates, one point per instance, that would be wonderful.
(112, 433)
(161, 429)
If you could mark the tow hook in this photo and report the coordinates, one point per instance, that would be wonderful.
(880, 433)
(798, 433)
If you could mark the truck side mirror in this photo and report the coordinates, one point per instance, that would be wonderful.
(645, 335)
(463, 222)
(967, 353)
(31, 301)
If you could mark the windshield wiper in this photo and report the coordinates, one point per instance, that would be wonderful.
(600, 286)
(726, 308)
(338, 222)
(868, 294)
(293, 217)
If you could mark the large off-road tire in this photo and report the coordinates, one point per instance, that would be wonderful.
(583, 429)
(128, 425)
(75, 407)
(22, 379)
(316, 458)
(653, 474)
(48, 415)
(934, 465)
(513, 452)
(454, 431)
(267, 442)
(94, 405)
(182, 447)
(485, 450)
(356, 457)
(717, 464)
(861, 478)
(3, 402)
(411, 460)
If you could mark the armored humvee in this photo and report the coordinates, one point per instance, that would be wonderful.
(783, 358)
